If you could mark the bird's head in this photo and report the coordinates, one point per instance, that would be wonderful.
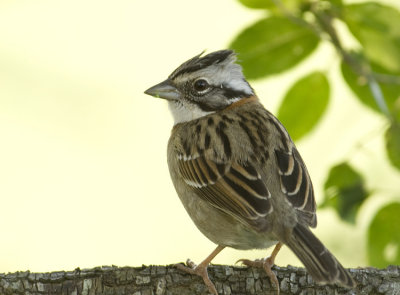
(203, 85)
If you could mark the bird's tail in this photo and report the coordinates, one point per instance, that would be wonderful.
(319, 262)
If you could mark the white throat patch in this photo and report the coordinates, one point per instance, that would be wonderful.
(185, 113)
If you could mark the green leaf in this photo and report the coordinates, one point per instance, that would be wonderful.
(304, 104)
(335, 3)
(270, 5)
(344, 191)
(361, 88)
(384, 237)
(377, 28)
(392, 137)
(258, 4)
(273, 45)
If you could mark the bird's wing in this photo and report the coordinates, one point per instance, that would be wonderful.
(237, 189)
(296, 184)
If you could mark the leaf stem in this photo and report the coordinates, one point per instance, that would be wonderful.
(387, 79)
(325, 27)
(325, 20)
(378, 96)
(295, 19)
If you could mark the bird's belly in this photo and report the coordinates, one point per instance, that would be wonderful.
(222, 229)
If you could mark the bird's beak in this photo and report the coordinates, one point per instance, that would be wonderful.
(164, 90)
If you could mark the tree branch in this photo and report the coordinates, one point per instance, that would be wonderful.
(167, 280)
(324, 28)
(362, 69)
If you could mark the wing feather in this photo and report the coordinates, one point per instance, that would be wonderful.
(236, 189)
(296, 184)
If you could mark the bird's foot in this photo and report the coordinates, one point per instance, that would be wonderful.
(266, 264)
(199, 270)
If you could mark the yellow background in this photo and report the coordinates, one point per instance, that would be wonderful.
(83, 173)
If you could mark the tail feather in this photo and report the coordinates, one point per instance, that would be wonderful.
(319, 262)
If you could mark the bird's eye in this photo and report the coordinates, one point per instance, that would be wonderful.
(200, 85)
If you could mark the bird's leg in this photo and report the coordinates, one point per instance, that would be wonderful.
(266, 264)
(201, 269)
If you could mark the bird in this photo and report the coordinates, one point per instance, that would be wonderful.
(237, 171)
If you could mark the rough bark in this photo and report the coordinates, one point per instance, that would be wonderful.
(167, 280)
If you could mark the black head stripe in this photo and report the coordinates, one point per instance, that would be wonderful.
(196, 63)
(231, 93)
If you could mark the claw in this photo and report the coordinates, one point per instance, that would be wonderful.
(252, 263)
(190, 263)
(199, 270)
(266, 264)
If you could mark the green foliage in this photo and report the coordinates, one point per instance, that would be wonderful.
(344, 191)
(384, 237)
(377, 28)
(272, 45)
(393, 144)
(268, 4)
(290, 32)
(359, 85)
(312, 104)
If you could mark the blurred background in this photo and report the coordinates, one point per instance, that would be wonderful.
(83, 174)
